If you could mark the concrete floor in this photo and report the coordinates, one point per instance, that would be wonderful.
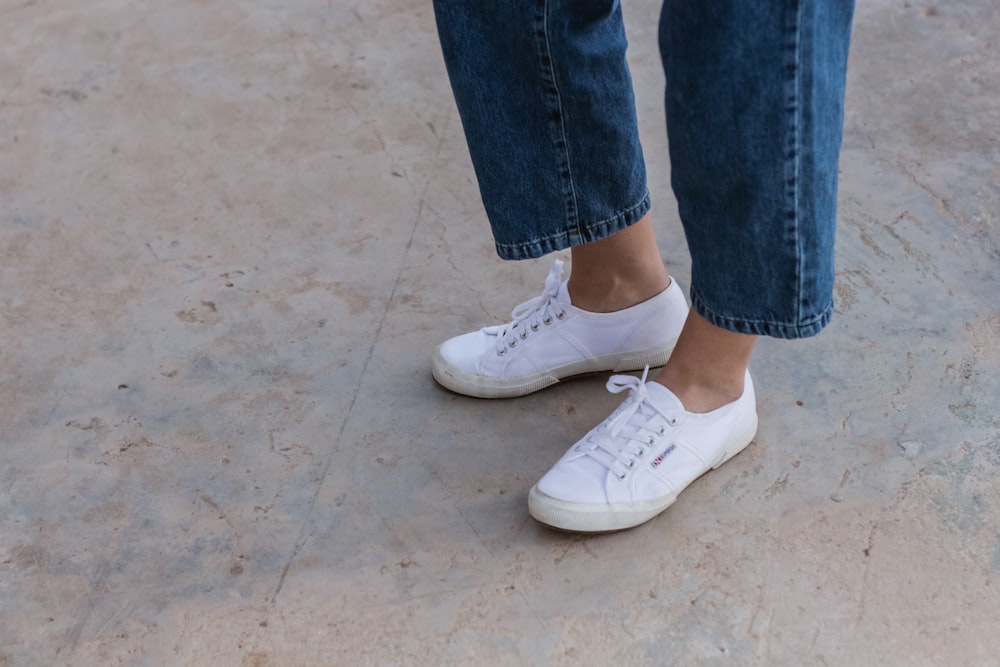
(231, 234)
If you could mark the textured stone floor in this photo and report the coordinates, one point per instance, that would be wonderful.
(231, 233)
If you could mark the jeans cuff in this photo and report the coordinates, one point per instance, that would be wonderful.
(763, 327)
(581, 234)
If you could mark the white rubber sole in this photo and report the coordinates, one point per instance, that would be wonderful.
(479, 386)
(601, 518)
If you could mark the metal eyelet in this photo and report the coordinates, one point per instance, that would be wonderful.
(640, 452)
(512, 343)
(547, 321)
(502, 351)
(631, 463)
(561, 314)
(663, 429)
(524, 334)
(649, 440)
(621, 477)
(534, 327)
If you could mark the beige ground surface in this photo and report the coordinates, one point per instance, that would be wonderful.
(232, 232)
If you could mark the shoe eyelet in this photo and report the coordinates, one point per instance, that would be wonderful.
(640, 453)
(524, 334)
(631, 463)
(512, 343)
(621, 477)
(561, 314)
(502, 351)
(547, 321)
(663, 429)
(649, 440)
(534, 327)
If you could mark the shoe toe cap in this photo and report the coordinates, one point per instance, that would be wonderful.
(580, 480)
(466, 352)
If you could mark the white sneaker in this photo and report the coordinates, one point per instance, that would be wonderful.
(550, 339)
(633, 465)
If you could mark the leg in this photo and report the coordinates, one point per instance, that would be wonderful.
(619, 271)
(754, 112)
(545, 97)
(754, 104)
(766, 82)
(546, 102)
(707, 368)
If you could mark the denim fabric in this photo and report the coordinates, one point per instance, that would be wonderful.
(754, 115)
(754, 103)
(546, 102)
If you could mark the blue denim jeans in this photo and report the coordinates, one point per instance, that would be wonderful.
(754, 106)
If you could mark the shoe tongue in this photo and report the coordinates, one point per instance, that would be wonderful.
(563, 295)
(663, 398)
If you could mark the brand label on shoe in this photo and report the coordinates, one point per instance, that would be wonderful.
(663, 455)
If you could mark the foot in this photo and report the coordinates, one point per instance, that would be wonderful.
(633, 465)
(550, 339)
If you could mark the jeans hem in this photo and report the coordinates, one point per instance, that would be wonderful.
(583, 233)
(786, 330)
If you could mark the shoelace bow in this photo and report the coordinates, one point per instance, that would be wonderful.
(533, 313)
(618, 449)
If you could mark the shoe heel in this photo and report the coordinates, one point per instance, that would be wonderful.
(741, 443)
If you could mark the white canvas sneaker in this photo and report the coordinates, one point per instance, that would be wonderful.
(550, 339)
(633, 465)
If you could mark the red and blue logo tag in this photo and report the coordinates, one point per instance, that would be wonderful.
(663, 455)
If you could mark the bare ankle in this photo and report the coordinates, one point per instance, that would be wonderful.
(612, 293)
(701, 397)
(708, 365)
(618, 271)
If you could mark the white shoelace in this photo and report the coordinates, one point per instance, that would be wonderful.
(534, 313)
(626, 438)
